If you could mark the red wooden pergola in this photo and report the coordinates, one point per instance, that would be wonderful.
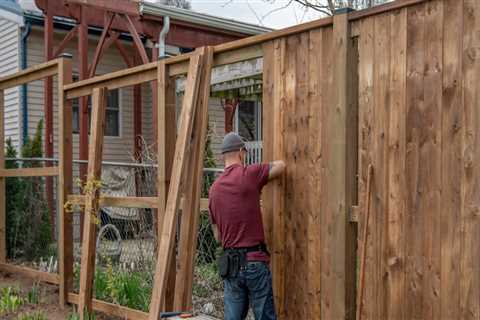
(113, 17)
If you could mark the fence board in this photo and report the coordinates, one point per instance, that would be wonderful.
(431, 156)
(452, 133)
(415, 220)
(470, 219)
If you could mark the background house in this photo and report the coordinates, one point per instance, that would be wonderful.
(22, 41)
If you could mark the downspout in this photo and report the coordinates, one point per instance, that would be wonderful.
(161, 38)
(24, 97)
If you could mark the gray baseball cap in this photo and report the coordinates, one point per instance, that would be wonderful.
(232, 142)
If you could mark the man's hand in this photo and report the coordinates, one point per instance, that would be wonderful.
(277, 168)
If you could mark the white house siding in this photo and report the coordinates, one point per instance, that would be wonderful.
(10, 63)
(115, 148)
(216, 121)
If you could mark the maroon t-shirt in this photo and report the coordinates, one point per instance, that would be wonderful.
(234, 204)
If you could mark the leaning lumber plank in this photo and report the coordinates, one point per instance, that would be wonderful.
(91, 200)
(30, 273)
(166, 240)
(190, 212)
(65, 167)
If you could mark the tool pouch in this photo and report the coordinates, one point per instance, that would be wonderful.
(230, 262)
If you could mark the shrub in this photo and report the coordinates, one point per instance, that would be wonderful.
(28, 217)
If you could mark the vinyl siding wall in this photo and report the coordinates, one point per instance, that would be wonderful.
(10, 63)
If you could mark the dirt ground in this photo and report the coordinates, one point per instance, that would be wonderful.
(48, 299)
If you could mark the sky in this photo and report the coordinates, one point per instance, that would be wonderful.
(258, 11)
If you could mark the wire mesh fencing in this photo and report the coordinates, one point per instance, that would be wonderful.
(31, 219)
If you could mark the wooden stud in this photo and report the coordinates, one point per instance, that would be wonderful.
(101, 44)
(65, 167)
(122, 202)
(99, 102)
(166, 241)
(191, 212)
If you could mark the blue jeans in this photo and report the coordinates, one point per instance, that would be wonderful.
(252, 286)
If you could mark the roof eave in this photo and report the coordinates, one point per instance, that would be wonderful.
(202, 19)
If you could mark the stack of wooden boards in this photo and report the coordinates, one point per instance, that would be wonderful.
(187, 162)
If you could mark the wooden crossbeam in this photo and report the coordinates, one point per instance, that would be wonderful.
(123, 202)
(111, 309)
(166, 241)
(99, 103)
(36, 72)
(190, 212)
(30, 273)
(30, 172)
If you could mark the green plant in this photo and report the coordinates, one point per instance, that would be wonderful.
(10, 300)
(28, 217)
(33, 316)
(33, 296)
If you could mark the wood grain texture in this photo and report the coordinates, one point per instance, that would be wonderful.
(314, 167)
(87, 268)
(452, 136)
(65, 183)
(431, 156)
(365, 156)
(166, 241)
(470, 193)
(396, 150)
(279, 224)
(191, 210)
(415, 135)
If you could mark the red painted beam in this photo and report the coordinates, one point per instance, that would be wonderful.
(124, 53)
(48, 113)
(99, 50)
(69, 36)
(83, 101)
(181, 33)
(136, 39)
(119, 6)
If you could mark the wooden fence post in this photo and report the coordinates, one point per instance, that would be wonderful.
(65, 230)
(92, 193)
(341, 124)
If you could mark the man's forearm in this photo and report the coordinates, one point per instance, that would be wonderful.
(277, 168)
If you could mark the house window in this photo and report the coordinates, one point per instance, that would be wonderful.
(112, 120)
(248, 120)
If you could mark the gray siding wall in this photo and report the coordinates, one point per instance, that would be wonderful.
(115, 148)
(10, 63)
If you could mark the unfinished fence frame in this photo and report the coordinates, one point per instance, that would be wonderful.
(328, 293)
(60, 67)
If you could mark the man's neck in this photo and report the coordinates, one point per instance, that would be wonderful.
(229, 163)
